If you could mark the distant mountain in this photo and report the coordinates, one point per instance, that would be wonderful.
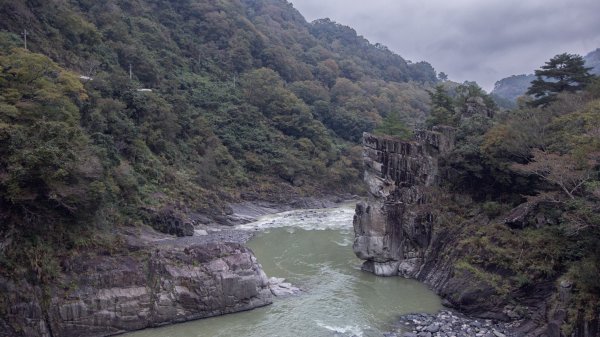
(510, 88)
(507, 90)
(593, 60)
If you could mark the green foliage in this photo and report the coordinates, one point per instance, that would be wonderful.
(548, 155)
(492, 208)
(564, 72)
(442, 112)
(246, 99)
(47, 163)
(392, 125)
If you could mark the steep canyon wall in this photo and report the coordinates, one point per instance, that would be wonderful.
(398, 232)
(393, 227)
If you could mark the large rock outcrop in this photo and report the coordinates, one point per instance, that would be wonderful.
(399, 231)
(107, 295)
(392, 230)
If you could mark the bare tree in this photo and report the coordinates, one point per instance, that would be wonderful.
(561, 170)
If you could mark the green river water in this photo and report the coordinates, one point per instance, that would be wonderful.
(312, 249)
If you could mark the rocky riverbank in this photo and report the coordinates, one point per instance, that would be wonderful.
(151, 279)
(449, 324)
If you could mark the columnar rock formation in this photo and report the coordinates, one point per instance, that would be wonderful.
(397, 233)
(393, 227)
(107, 295)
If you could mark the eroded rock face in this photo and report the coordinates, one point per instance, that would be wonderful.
(393, 227)
(397, 233)
(107, 295)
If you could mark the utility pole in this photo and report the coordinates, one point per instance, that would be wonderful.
(25, 37)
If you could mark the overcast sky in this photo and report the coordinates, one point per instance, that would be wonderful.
(481, 40)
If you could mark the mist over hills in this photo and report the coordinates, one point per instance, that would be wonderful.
(510, 88)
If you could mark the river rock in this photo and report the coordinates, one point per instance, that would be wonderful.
(432, 328)
(103, 295)
(201, 232)
(381, 269)
(446, 323)
(280, 288)
(168, 220)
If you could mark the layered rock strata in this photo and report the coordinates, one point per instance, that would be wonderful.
(392, 230)
(397, 233)
(108, 295)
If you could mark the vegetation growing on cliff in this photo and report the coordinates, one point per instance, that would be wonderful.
(533, 173)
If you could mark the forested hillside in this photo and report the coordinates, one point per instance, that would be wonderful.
(521, 198)
(240, 99)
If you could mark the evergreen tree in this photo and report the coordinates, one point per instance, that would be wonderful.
(442, 108)
(564, 72)
(392, 125)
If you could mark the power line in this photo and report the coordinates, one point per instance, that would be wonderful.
(25, 37)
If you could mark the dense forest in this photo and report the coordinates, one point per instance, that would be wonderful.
(116, 111)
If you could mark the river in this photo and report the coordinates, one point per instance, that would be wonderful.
(312, 249)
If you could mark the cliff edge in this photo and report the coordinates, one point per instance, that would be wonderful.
(392, 230)
(411, 226)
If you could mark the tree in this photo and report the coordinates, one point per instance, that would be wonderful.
(47, 164)
(442, 76)
(564, 72)
(562, 170)
(392, 125)
(442, 112)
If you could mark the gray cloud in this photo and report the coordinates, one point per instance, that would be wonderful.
(482, 40)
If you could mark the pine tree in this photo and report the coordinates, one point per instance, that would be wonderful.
(564, 72)
(392, 125)
(442, 108)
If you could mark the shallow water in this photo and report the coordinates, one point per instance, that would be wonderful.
(313, 250)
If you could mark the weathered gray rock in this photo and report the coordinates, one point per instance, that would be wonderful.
(280, 288)
(397, 233)
(433, 328)
(396, 227)
(537, 213)
(391, 230)
(381, 268)
(107, 295)
(446, 323)
(169, 221)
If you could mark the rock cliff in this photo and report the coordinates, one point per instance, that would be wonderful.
(392, 228)
(399, 231)
(107, 295)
